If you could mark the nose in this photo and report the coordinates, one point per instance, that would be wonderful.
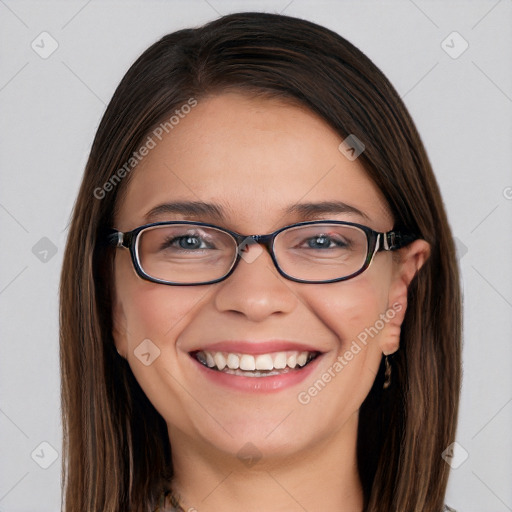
(255, 288)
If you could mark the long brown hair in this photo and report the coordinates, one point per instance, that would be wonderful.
(116, 452)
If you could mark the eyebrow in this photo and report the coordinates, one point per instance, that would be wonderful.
(305, 211)
(309, 211)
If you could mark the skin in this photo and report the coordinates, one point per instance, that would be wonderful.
(255, 157)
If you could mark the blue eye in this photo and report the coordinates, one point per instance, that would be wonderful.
(191, 242)
(187, 242)
(324, 242)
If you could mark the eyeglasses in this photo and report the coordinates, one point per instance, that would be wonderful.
(185, 253)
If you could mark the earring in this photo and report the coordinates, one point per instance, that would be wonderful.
(387, 373)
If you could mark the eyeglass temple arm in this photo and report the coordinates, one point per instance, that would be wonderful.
(395, 240)
(115, 238)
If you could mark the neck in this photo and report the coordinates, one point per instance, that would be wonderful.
(317, 478)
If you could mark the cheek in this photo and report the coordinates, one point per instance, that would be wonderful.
(348, 308)
(160, 312)
(153, 311)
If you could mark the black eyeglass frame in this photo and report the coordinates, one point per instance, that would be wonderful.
(391, 241)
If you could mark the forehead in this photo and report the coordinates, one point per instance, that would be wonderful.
(254, 158)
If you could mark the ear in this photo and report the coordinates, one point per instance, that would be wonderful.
(407, 263)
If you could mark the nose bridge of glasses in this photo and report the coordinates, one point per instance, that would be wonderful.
(245, 241)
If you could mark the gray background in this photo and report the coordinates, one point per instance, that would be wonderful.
(51, 108)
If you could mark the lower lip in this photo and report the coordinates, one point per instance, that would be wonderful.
(258, 384)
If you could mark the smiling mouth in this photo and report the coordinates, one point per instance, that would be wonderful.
(248, 365)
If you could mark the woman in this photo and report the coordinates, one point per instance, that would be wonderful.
(207, 368)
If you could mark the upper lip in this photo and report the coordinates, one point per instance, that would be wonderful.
(256, 347)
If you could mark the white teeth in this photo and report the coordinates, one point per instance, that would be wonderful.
(250, 363)
(264, 362)
(280, 360)
(220, 360)
(209, 360)
(301, 358)
(247, 362)
(233, 361)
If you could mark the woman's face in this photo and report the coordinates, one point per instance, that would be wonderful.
(254, 158)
